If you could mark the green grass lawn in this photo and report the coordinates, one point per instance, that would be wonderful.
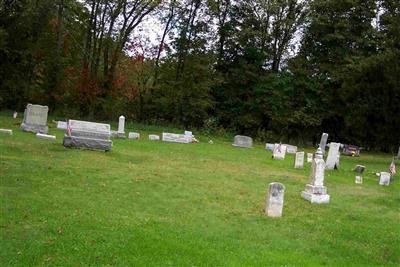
(163, 204)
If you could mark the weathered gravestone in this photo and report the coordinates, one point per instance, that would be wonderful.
(121, 127)
(6, 131)
(291, 149)
(176, 138)
(62, 125)
(279, 152)
(359, 179)
(332, 159)
(154, 137)
(384, 178)
(89, 135)
(46, 136)
(359, 169)
(35, 119)
(322, 143)
(269, 146)
(315, 191)
(275, 197)
(299, 160)
(309, 157)
(242, 141)
(133, 135)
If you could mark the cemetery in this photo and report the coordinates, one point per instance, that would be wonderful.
(213, 204)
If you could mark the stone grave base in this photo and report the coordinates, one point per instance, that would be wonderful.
(87, 143)
(119, 135)
(315, 198)
(34, 128)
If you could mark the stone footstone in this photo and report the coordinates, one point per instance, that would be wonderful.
(275, 197)
(384, 178)
(46, 136)
(6, 131)
(359, 179)
(134, 136)
(154, 137)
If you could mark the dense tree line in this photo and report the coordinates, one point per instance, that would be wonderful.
(278, 70)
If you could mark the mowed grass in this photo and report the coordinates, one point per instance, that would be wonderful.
(163, 204)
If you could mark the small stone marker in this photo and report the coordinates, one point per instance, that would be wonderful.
(291, 149)
(46, 136)
(269, 146)
(62, 125)
(359, 168)
(359, 179)
(176, 138)
(315, 191)
(242, 141)
(332, 159)
(275, 197)
(6, 131)
(190, 135)
(384, 178)
(88, 135)
(299, 160)
(309, 157)
(322, 143)
(133, 135)
(15, 115)
(35, 119)
(279, 152)
(154, 137)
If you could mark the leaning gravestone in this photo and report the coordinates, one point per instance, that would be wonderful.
(279, 151)
(384, 178)
(176, 138)
(275, 197)
(309, 157)
(291, 149)
(332, 159)
(89, 135)
(315, 191)
(242, 141)
(35, 119)
(299, 160)
(6, 131)
(322, 143)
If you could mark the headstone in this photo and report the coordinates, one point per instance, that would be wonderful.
(309, 157)
(242, 141)
(332, 158)
(299, 160)
(398, 153)
(176, 138)
(15, 115)
(315, 191)
(384, 178)
(133, 135)
(46, 136)
(88, 135)
(6, 131)
(279, 152)
(269, 146)
(351, 150)
(322, 143)
(121, 124)
(154, 137)
(188, 133)
(62, 125)
(337, 164)
(291, 149)
(275, 197)
(359, 168)
(359, 179)
(35, 119)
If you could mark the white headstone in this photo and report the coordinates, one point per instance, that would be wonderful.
(176, 138)
(15, 115)
(279, 151)
(121, 124)
(62, 125)
(35, 119)
(46, 136)
(322, 143)
(6, 131)
(384, 178)
(315, 191)
(299, 160)
(332, 158)
(269, 146)
(154, 137)
(242, 141)
(188, 133)
(309, 157)
(359, 179)
(133, 135)
(291, 149)
(275, 197)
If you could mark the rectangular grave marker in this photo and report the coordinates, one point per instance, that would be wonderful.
(6, 131)
(279, 152)
(309, 157)
(332, 159)
(242, 141)
(35, 119)
(384, 178)
(322, 143)
(299, 160)
(176, 138)
(275, 197)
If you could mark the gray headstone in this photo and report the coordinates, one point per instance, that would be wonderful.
(322, 143)
(133, 135)
(269, 146)
(154, 137)
(332, 158)
(359, 179)
(315, 191)
(299, 160)
(359, 168)
(176, 138)
(275, 198)
(6, 131)
(35, 119)
(309, 157)
(242, 141)
(62, 125)
(279, 152)
(291, 149)
(384, 178)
